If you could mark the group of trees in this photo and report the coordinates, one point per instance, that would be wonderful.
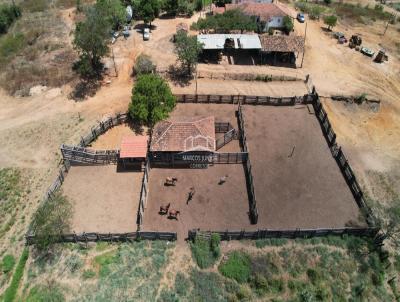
(92, 36)
(8, 14)
(226, 22)
(182, 6)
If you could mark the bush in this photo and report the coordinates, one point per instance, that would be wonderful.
(11, 291)
(237, 267)
(8, 14)
(288, 24)
(8, 263)
(88, 274)
(203, 252)
(182, 284)
(144, 65)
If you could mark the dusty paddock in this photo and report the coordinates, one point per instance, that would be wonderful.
(104, 201)
(305, 190)
(214, 206)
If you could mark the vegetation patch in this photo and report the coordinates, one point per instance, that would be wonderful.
(50, 292)
(237, 266)
(206, 251)
(7, 263)
(11, 291)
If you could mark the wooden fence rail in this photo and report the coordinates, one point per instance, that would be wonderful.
(88, 156)
(290, 234)
(249, 176)
(94, 237)
(244, 99)
(230, 158)
(103, 127)
(226, 138)
(143, 193)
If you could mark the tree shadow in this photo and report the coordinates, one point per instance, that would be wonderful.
(83, 89)
(179, 76)
(141, 26)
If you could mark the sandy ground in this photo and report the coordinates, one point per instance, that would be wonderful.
(303, 189)
(113, 137)
(104, 201)
(214, 206)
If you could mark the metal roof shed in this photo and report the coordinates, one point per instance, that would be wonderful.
(241, 41)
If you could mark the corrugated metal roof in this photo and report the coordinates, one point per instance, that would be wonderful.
(242, 41)
(134, 147)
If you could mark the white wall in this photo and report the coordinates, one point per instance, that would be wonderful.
(275, 22)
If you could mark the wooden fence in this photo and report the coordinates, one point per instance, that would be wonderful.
(143, 193)
(243, 99)
(87, 156)
(112, 237)
(290, 234)
(229, 158)
(341, 160)
(249, 175)
(226, 138)
(103, 127)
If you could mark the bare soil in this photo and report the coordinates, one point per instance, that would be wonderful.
(113, 137)
(104, 201)
(298, 184)
(213, 207)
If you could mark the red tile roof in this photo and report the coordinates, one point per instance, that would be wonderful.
(187, 134)
(133, 147)
(263, 10)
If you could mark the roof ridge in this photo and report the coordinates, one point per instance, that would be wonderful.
(165, 131)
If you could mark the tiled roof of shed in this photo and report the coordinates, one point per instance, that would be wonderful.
(133, 147)
(187, 134)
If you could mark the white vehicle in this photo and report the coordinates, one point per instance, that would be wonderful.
(146, 34)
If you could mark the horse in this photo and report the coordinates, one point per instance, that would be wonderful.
(170, 181)
(164, 209)
(223, 179)
(190, 195)
(173, 214)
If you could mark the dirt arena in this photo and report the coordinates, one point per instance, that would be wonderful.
(298, 183)
(214, 206)
(104, 201)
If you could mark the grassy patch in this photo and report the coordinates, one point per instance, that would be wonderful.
(11, 291)
(237, 266)
(360, 14)
(206, 251)
(7, 263)
(52, 292)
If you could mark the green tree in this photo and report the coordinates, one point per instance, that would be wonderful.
(288, 24)
(149, 10)
(388, 222)
(171, 6)
(327, 2)
(91, 41)
(152, 100)
(187, 49)
(51, 220)
(330, 21)
(112, 11)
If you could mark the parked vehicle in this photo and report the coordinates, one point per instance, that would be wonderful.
(301, 18)
(146, 34)
(366, 51)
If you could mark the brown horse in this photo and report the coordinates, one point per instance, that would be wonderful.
(173, 214)
(164, 209)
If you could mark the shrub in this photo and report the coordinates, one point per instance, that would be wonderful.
(144, 65)
(8, 14)
(11, 291)
(88, 274)
(182, 284)
(288, 24)
(206, 286)
(8, 263)
(313, 275)
(330, 21)
(237, 267)
(74, 263)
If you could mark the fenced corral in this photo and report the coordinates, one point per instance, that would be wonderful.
(56, 185)
(289, 234)
(249, 176)
(341, 159)
(222, 127)
(103, 127)
(226, 138)
(229, 158)
(144, 191)
(243, 99)
(110, 237)
(82, 155)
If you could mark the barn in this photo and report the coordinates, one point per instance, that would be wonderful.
(184, 142)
